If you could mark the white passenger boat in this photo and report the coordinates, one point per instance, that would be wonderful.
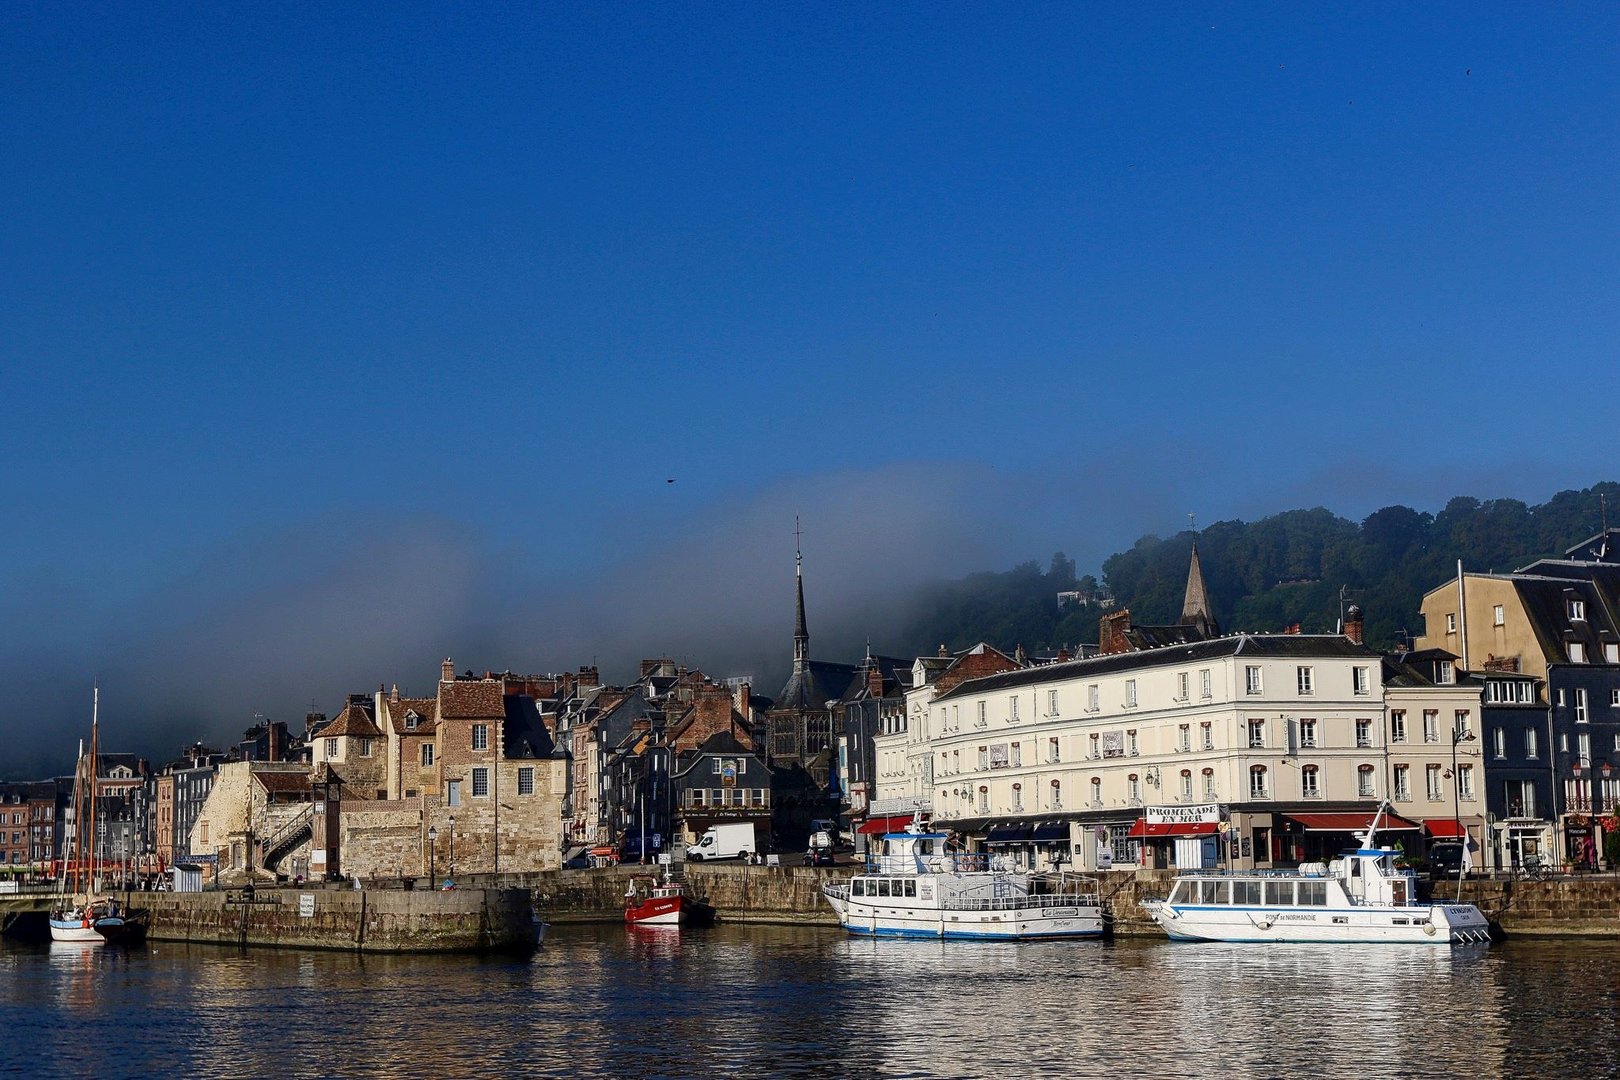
(917, 888)
(1359, 897)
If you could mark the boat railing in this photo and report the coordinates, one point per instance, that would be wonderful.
(1005, 903)
(1295, 874)
(840, 891)
(974, 862)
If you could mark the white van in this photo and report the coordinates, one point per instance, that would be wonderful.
(725, 840)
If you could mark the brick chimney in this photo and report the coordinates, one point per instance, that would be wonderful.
(1352, 624)
(874, 681)
(1111, 632)
(447, 671)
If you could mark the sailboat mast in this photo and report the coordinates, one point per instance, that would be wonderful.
(95, 731)
(71, 869)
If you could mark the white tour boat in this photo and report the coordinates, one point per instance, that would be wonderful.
(1359, 897)
(917, 888)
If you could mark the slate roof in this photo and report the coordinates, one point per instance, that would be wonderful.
(813, 684)
(1279, 646)
(524, 733)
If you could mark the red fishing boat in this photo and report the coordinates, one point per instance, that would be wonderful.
(652, 901)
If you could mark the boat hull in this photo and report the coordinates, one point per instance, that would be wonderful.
(1430, 924)
(82, 931)
(1004, 924)
(669, 911)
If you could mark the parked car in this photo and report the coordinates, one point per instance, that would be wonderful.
(1446, 858)
(818, 856)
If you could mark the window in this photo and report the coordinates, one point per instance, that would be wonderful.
(1307, 733)
(1531, 750)
(480, 737)
(1251, 679)
(1186, 783)
(452, 794)
(1095, 752)
(1465, 781)
(1181, 686)
(1365, 785)
(427, 754)
(956, 717)
(1209, 735)
(1184, 738)
(1359, 680)
(1445, 674)
(1257, 782)
(1560, 699)
(1577, 610)
(1498, 616)
(1018, 796)
(1096, 792)
(1257, 734)
(1583, 747)
(1460, 725)
(1307, 681)
(1052, 750)
(1203, 684)
(1499, 742)
(1017, 755)
(1581, 713)
(1364, 733)
(1091, 698)
(1431, 774)
(1451, 622)
(1431, 725)
(331, 748)
(1133, 788)
(984, 799)
(1403, 782)
(1611, 653)
(1130, 693)
(1057, 795)
(1397, 725)
(984, 758)
(365, 747)
(1310, 782)
(1577, 653)
(1012, 709)
(1130, 743)
(1209, 783)
(1051, 703)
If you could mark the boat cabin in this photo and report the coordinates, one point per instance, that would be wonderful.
(1363, 876)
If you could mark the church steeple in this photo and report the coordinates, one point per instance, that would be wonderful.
(1195, 608)
(801, 634)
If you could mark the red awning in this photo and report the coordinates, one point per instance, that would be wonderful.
(1155, 829)
(1444, 828)
(874, 826)
(1352, 823)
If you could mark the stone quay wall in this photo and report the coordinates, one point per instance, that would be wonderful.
(369, 920)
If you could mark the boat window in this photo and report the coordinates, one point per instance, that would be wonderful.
(1280, 892)
(911, 887)
(1313, 893)
(1246, 892)
(1180, 894)
(883, 887)
(1217, 892)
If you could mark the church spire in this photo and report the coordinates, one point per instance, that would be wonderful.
(1195, 608)
(801, 634)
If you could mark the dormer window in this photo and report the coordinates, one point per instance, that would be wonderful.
(411, 720)
(1577, 610)
(1444, 673)
(1577, 653)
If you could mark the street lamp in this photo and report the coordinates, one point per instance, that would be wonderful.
(1459, 735)
(433, 857)
(451, 873)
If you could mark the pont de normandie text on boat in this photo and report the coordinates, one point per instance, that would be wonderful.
(1494, 740)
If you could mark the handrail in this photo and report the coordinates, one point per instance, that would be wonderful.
(293, 826)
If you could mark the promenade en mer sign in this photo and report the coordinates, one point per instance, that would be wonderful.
(1182, 815)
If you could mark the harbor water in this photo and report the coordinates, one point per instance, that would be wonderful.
(777, 1001)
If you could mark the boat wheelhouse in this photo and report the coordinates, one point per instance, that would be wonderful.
(918, 887)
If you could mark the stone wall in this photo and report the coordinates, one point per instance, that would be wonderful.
(786, 894)
(380, 838)
(372, 920)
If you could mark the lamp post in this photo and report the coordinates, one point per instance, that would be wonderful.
(1459, 735)
(451, 873)
(433, 857)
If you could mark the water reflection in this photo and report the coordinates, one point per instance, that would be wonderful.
(611, 1001)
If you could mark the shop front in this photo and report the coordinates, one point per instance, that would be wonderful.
(1322, 837)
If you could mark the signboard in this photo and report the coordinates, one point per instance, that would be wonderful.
(1182, 815)
(1113, 744)
(306, 905)
(998, 755)
(728, 773)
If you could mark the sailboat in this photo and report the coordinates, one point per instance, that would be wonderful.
(79, 915)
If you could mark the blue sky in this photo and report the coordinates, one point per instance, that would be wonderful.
(335, 341)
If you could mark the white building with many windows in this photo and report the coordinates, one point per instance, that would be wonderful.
(1254, 748)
